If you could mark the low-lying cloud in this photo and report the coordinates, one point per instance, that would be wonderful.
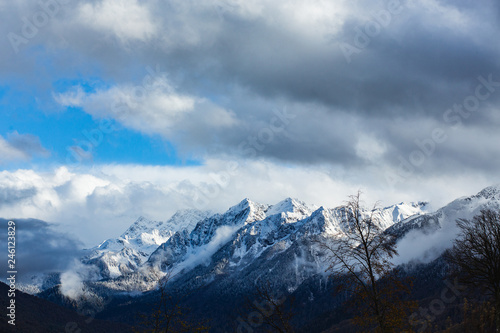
(102, 202)
(73, 279)
(40, 247)
(423, 247)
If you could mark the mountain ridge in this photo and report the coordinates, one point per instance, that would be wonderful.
(206, 246)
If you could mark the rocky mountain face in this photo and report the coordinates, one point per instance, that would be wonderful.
(279, 249)
(445, 217)
(272, 242)
(221, 257)
(253, 240)
(125, 254)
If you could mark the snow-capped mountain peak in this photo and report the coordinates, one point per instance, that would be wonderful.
(292, 210)
(242, 205)
(141, 225)
(491, 192)
(388, 216)
(126, 253)
(247, 211)
(253, 239)
(187, 219)
(284, 206)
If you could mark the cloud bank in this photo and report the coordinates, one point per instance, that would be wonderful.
(40, 247)
(101, 203)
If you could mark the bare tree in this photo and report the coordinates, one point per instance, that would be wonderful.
(475, 256)
(360, 262)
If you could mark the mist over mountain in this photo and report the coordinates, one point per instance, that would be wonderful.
(223, 256)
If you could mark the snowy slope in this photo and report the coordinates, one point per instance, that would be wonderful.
(253, 241)
(425, 237)
(280, 248)
(184, 246)
(237, 239)
(126, 253)
(445, 217)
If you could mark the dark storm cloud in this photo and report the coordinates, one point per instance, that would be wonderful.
(435, 148)
(414, 71)
(40, 247)
(253, 57)
(10, 195)
(410, 68)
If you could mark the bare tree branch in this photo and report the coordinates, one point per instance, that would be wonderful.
(475, 256)
(359, 260)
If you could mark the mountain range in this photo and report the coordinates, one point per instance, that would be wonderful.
(218, 258)
(208, 245)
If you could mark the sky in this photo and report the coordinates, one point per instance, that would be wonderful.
(115, 109)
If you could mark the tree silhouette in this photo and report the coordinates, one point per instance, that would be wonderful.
(475, 256)
(360, 261)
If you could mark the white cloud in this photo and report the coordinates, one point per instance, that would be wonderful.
(10, 153)
(72, 280)
(102, 202)
(424, 247)
(152, 107)
(370, 148)
(73, 97)
(20, 147)
(126, 19)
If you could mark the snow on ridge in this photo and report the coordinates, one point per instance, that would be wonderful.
(490, 192)
(292, 210)
(242, 233)
(243, 204)
(182, 219)
(141, 225)
(284, 206)
(187, 219)
(391, 215)
(129, 251)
